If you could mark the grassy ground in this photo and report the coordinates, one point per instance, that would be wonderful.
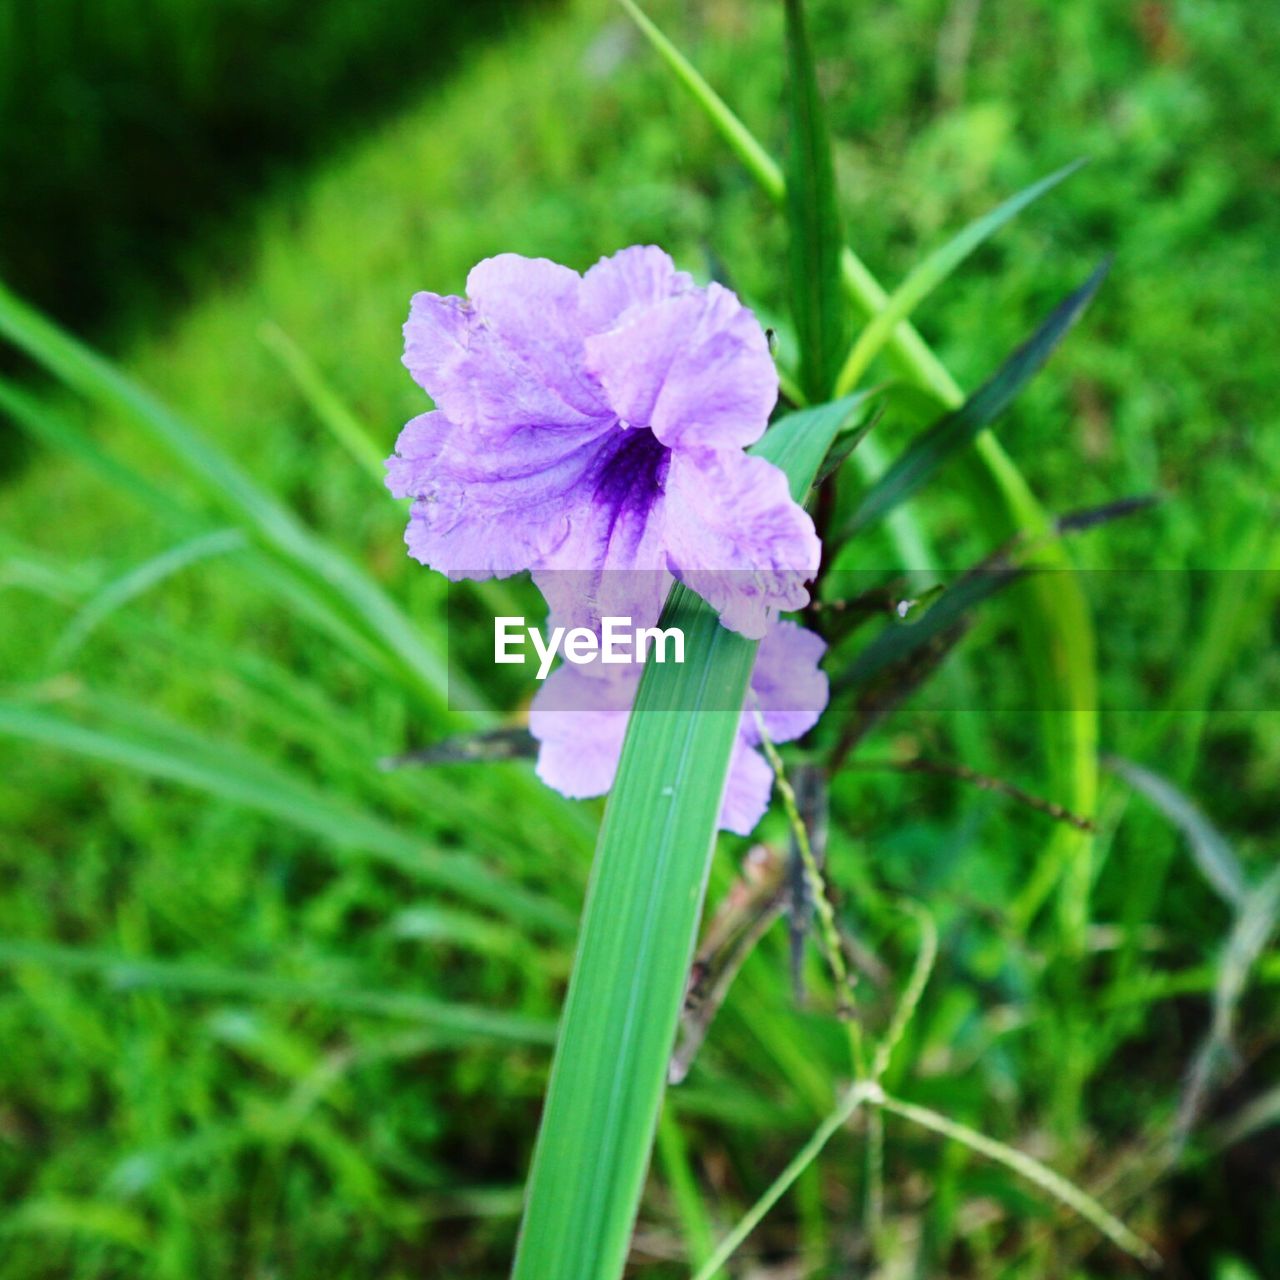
(265, 1103)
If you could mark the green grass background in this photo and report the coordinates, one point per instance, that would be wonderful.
(203, 1122)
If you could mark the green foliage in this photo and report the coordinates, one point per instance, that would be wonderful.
(932, 449)
(322, 1127)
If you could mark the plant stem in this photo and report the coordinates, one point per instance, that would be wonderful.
(857, 1094)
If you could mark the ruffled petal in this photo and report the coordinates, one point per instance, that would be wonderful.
(613, 561)
(478, 513)
(481, 380)
(736, 537)
(579, 717)
(580, 720)
(747, 791)
(787, 685)
(532, 307)
(636, 277)
(695, 368)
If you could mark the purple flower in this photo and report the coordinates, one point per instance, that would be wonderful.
(597, 423)
(579, 717)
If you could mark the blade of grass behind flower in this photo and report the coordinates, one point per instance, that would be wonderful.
(55, 430)
(141, 578)
(291, 582)
(234, 491)
(324, 403)
(236, 775)
(639, 924)
(1256, 918)
(899, 641)
(122, 972)
(1209, 848)
(933, 271)
(929, 451)
(813, 218)
(910, 538)
(754, 158)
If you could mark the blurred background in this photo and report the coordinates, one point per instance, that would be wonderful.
(270, 1011)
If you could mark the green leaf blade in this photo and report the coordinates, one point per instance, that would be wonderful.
(633, 957)
(813, 217)
(640, 920)
(930, 273)
(929, 451)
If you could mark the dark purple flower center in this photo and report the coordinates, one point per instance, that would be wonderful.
(633, 477)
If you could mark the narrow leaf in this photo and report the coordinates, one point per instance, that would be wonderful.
(936, 446)
(843, 449)
(754, 158)
(1055, 631)
(325, 402)
(639, 924)
(1039, 1175)
(1210, 849)
(633, 957)
(484, 747)
(813, 217)
(1256, 919)
(899, 642)
(122, 972)
(232, 489)
(238, 776)
(141, 578)
(55, 430)
(802, 442)
(1092, 517)
(930, 273)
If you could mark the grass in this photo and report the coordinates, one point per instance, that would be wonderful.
(183, 1103)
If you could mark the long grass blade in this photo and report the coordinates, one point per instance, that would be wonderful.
(932, 272)
(639, 924)
(293, 582)
(1039, 1175)
(241, 778)
(229, 488)
(1256, 920)
(141, 578)
(926, 455)
(1055, 629)
(813, 218)
(898, 642)
(1210, 849)
(55, 430)
(121, 972)
(324, 402)
(753, 157)
(856, 1096)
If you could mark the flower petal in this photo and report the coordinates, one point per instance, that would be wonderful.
(747, 792)
(613, 563)
(580, 720)
(736, 537)
(695, 368)
(532, 307)
(492, 511)
(788, 686)
(634, 277)
(478, 378)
